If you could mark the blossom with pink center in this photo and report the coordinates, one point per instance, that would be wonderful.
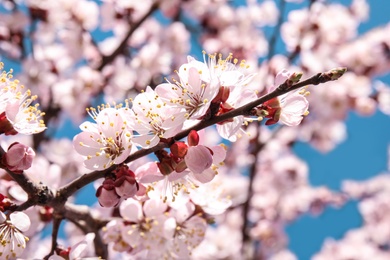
(12, 240)
(112, 233)
(154, 119)
(106, 142)
(19, 157)
(17, 115)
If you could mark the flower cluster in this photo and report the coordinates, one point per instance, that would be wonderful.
(204, 89)
(122, 184)
(151, 230)
(17, 115)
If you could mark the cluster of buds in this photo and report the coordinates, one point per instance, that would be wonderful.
(196, 158)
(121, 184)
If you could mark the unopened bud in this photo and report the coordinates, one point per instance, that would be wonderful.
(335, 73)
(179, 149)
(126, 185)
(294, 78)
(18, 158)
(107, 195)
(193, 138)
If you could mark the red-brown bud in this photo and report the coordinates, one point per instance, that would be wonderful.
(193, 138)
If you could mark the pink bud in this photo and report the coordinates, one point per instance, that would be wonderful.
(107, 195)
(125, 185)
(193, 138)
(18, 158)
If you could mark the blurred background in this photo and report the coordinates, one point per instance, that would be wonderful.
(363, 154)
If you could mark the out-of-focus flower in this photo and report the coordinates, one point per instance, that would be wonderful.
(106, 142)
(17, 115)
(144, 223)
(12, 240)
(185, 231)
(19, 157)
(75, 252)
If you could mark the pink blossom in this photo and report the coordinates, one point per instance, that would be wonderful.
(19, 157)
(198, 158)
(193, 92)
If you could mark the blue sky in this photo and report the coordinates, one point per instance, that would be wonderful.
(361, 156)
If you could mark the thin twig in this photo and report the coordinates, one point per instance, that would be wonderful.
(108, 59)
(276, 30)
(56, 226)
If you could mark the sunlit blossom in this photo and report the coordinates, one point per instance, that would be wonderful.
(153, 119)
(17, 115)
(194, 90)
(106, 142)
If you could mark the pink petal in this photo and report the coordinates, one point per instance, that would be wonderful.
(198, 158)
(206, 176)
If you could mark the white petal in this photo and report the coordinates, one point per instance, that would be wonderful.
(20, 220)
(131, 210)
(198, 158)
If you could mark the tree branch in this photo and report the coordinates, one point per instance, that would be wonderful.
(284, 88)
(56, 226)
